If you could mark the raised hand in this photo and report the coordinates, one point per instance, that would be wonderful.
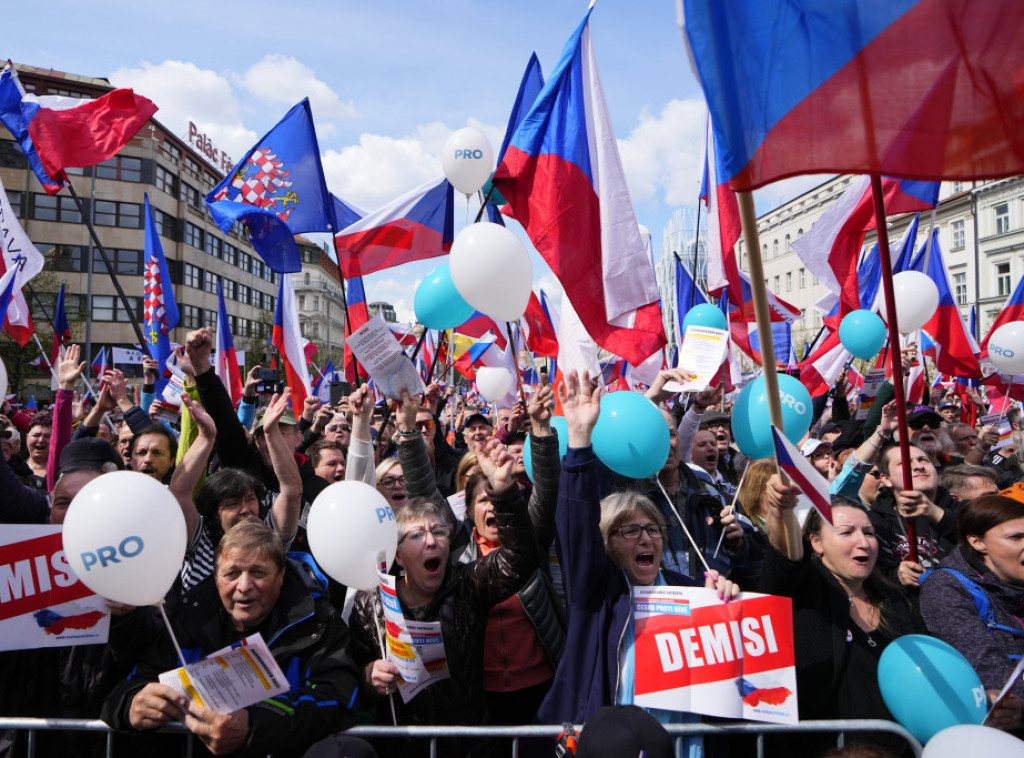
(581, 403)
(496, 464)
(70, 367)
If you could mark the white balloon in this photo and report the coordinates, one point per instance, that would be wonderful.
(3, 379)
(467, 159)
(917, 297)
(349, 523)
(124, 536)
(492, 270)
(968, 739)
(1006, 348)
(493, 382)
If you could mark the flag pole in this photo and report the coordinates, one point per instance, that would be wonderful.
(748, 220)
(344, 305)
(515, 363)
(897, 356)
(110, 270)
(696, 247)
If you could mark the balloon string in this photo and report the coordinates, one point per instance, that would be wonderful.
(686, 531)
(384, 656)
(732, 510)
(174, 640)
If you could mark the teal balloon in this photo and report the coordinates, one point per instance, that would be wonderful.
(558, 422)
(751, 420)
(631, 435)
(929, 686)
(704, 315)
(438, 304)
(862, 333)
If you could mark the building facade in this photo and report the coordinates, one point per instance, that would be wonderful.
(320, 298)
(176, 174)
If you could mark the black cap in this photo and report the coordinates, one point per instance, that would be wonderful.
(623, 730)
(90, 453)
(478, 417)
(923, 413)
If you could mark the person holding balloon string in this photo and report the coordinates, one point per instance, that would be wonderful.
(606, 547)
(433, 588)
(845, 612)
(985, 571)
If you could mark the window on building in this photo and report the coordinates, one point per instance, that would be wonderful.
(244, 261)
(11, 155)
(210, 282)
(788, 240)
(229, 253)
(243, 294)
(775, 248)
(301, 299)
(313, 329)
(123, 215)
(960, 287)
(193, 235)
(55, 208)
(192, 316)
(191, 195)
(764, 251)
(212, 245)
(271, 302)
(316, 303)
(17, 200)
(802, 281)
(67, 257)
(110, 308)
(789, 281)
(257, 267)
(166, 181)
(1002, 218)
(125, 262)
(1003, 283)
(166, 224)
(229, 288)
(192, 276)
(120, 167)
(958, 233)
(211, 318)
(776, 282)
(958, 187)
(172, 151)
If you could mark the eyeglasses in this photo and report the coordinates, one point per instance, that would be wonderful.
(921, 423)
(339, 428)
(632, 531)
(418, 535)
(875, 473)
(426, 425)
(391, 481)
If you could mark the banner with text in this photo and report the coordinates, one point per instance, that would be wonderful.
(695, 653)
(42, 603)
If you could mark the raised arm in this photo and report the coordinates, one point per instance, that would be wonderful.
(288, 503)
(547, 466)
(192, 464)
(420, 480)
(359, 465)
(780, 520)
(69, 371)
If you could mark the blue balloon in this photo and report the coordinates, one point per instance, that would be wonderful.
(705, 315)
(563, 444)
(631, 435)
(438, 304)
(928, 686)
(751, 421)
(862, 333)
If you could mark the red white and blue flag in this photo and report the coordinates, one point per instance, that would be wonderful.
(958, 352)
(480, 324)
(416, 226)
(803, 474)
(99, 363)
(923, 89)
(22, 261)
(277, 190)
(57, 132)
(61, 327)
(539, 330)
(226, 366)
(322, 387)
(160, 309)
(483, 352)
(358, 314)
(287, 338)
(563, 178)
(1012, 310)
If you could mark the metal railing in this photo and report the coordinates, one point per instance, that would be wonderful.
(433, 733)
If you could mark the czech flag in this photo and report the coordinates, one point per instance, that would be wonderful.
(227, 360)
(922, 89)
(57, 132)
(416, 226)
(563, 178)
(538, 329)
(803, 474)
(1012, 310)
(358, 314)
(287, 338)
(61, 327)
(958, 351)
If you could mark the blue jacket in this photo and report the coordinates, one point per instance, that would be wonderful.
(598, 595)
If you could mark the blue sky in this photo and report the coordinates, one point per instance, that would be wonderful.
(388, 82)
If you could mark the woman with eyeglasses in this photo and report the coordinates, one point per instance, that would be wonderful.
(606, 547)
(432, 588)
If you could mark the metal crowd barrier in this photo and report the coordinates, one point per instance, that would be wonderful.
(433, 733)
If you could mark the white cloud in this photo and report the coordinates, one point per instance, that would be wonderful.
(184, 92)
(285, 80)
(400, 292)
(663, 156)
(379, 168)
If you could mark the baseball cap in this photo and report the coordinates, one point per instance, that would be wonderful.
(477, 417)
(288, 417)
(807, 449)
(923, 415)
(623, 730)
(90, 453)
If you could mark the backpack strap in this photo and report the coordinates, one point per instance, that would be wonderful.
(981, 602)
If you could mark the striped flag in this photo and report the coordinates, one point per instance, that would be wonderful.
(803, 474)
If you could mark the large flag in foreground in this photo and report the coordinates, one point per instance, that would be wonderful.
(287, 338)
(23, 261)
(923, 89)
(277, 190)
(563, 178)
(160, 309)
(416, 226)
(57, 132)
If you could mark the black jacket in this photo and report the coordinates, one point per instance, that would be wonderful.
(934, 541)
(307, 638)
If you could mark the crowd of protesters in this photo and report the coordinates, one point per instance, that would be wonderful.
(532, 584)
